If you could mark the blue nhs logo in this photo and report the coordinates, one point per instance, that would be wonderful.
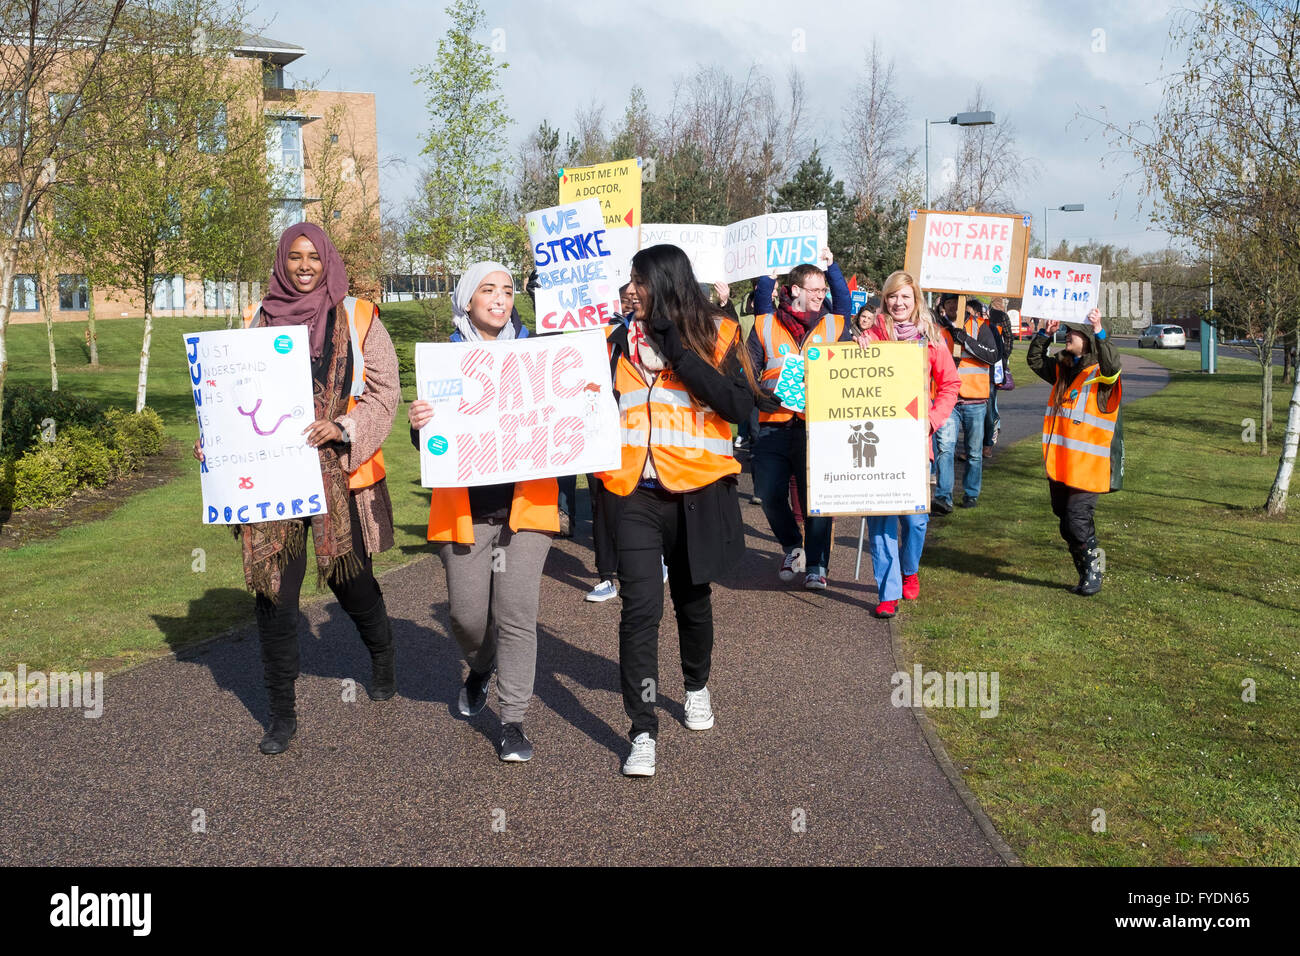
(790, 251)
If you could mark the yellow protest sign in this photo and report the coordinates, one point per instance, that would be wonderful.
(868, 424)
(616, 185)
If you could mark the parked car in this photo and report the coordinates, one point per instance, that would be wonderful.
(1162, 337)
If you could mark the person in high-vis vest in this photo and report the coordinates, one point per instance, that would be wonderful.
(355, 384)
(897, 541)
(974, 348)
(1082, 435)
(682, 378)
(800, 323)
(492, 539)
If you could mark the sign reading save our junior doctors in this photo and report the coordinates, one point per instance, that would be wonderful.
(1067, 291)
(580, 266)
(515, 410)
(777, 241)
(868, 428)
(253, 398)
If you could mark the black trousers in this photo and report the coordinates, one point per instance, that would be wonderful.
(1074, 508)
(277, 624)
(653, 525)
(606, 508)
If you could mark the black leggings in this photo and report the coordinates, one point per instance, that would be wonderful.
(1074, 509)
(277, 624)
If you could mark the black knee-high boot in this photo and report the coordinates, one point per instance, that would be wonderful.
(279, 638)
(377, 633)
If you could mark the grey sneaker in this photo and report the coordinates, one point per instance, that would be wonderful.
(699, 709)
(515, 745)
(641, 762)
(604, 591)
(473, 696)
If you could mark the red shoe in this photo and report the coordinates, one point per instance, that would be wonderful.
(911, 587)
(885, 609)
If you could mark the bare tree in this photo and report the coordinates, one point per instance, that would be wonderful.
(876, 160)
(988, 167)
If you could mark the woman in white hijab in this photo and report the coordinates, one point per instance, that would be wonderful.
(493, 539)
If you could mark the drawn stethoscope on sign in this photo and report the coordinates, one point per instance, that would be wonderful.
(241, 399)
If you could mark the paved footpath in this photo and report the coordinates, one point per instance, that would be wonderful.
(808, 762)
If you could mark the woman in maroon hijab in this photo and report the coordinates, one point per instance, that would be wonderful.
(356, 393)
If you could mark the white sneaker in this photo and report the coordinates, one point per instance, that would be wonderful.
(665, 567)
(699, 709)
(641, 762)
(603, 591)
(794, 563)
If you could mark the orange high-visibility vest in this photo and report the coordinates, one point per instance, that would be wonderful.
(974, 373)
(689, 443)
(360, 313)
(778, 343)
(1077, 436)
(535, 507)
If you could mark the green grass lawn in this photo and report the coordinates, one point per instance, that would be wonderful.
(1130, 702)
(125, 588)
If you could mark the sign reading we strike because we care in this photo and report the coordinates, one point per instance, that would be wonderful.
(253, 398)
(580, 266)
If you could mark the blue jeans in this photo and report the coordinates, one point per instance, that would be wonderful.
(971, 418)
(991, 417)
(780, 451)
(896, 543)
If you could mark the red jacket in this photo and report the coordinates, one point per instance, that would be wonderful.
(945, 383)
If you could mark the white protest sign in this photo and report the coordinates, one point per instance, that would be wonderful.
(1067, 291)
(580, 265)
(253, 398)
(514, 410)
(868, 430)
(776, 241)
(704, 245)
(970, 253)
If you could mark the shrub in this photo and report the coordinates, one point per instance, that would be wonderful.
(87, 456)
(136, 435)
(26, 406)
(40, 479)
(6, 484)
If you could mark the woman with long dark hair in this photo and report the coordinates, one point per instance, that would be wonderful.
(682, 376)
(355, 393)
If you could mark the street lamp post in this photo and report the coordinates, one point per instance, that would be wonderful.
(982, 118)
(1068, 207)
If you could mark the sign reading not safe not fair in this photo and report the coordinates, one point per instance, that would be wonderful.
(253, 398)
(868, 427)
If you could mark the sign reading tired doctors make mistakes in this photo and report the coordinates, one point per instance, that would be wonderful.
(580, 266)
(253, 398)
(868, 430)
(514, 410)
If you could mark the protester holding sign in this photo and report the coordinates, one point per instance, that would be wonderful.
(681, 375)
(493, 539)
(974, 342)
(356, 392)
(1083, 438)
(801, 322)
(896, 542)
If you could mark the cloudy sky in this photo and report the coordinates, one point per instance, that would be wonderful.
(1041, 65)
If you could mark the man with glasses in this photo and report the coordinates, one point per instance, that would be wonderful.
(802, 320)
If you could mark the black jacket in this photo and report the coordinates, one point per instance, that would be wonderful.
(1099, 351)
(714, 531)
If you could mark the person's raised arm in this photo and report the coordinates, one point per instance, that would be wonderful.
(1037, 359)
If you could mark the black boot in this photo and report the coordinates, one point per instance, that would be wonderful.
(277, 738)
(1080, 558)
(377, 633)
(1090, 582)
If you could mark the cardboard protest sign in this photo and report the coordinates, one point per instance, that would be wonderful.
(704, 245)
(616, 186)
(510, 411)
(779, 240)
(1067, 291)
(580, 266)
(981, 253)
(253, 398)
(868, 427)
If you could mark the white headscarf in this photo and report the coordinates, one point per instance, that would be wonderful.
(460, 299)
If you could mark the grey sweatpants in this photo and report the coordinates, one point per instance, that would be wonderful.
(494, 586)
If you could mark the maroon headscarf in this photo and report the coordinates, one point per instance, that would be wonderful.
(283, 304)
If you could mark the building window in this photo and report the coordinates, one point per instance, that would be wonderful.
(212, 129)
(338, 213)
(72, 293)
(218, 295)
(25, 294)
(11, 116)
(169, 292)
(334, 138)
(284, 151)
(273, 77)
(288, 212)
(10, 195)
(162, 120)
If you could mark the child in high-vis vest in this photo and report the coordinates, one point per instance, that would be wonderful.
(354, 373)
(682, 377)
(493, 600)
(1083, 456)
